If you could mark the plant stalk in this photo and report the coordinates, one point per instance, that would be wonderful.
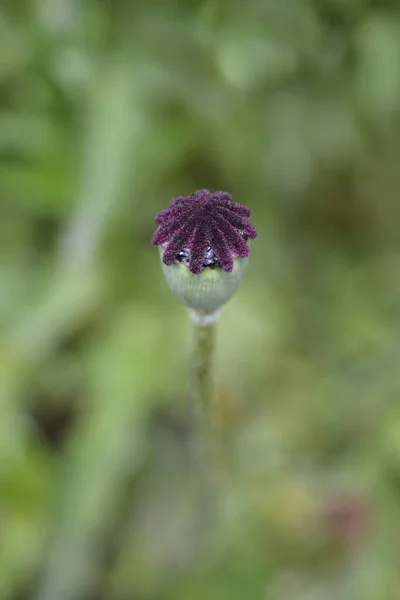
(202, 405)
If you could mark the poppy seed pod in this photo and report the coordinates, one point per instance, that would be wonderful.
(203, 241)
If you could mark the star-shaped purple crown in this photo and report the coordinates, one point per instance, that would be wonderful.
(205, 229)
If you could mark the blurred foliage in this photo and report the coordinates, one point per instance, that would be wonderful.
(109, 108)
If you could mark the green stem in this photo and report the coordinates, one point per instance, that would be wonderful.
(202, 371)
(201, 391)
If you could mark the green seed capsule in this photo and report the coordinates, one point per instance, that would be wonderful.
(206, 291)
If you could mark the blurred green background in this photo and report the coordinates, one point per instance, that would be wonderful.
(107, 110)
